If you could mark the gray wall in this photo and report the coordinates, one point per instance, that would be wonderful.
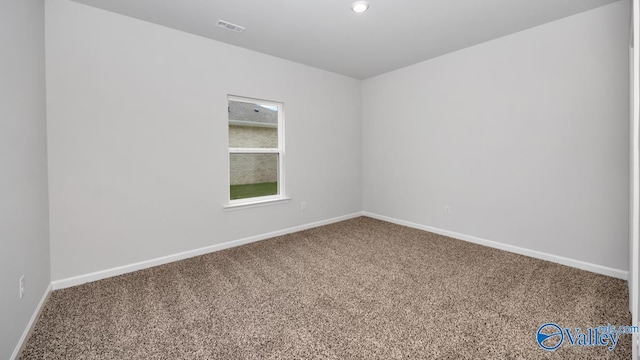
(24, 239)
(525, 137)
(138, 145)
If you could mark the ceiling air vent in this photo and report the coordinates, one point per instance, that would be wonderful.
(229, 26)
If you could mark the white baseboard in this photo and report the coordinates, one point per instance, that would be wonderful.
(31, 324)
(599, 269)
(107, 273)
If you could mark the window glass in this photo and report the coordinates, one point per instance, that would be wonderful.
(252, 125)
(255, 150)
(253, 175)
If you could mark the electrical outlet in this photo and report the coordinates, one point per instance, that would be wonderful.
(303, 206)
(21, 284)
(447, 210)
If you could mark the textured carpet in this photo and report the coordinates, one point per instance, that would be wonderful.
(359, 289)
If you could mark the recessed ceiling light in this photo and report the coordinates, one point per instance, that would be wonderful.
(360, 6)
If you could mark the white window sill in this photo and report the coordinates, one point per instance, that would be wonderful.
(257, 203)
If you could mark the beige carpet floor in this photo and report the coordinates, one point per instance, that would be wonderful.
(359, 289)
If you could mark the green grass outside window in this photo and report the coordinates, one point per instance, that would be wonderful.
(253, 190)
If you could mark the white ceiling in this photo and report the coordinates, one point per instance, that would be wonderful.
(326, 34)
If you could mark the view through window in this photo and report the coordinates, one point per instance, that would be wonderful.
(255, 150)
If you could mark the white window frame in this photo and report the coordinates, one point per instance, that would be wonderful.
(261, 200)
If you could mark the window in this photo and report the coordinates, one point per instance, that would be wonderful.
(256, 151)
